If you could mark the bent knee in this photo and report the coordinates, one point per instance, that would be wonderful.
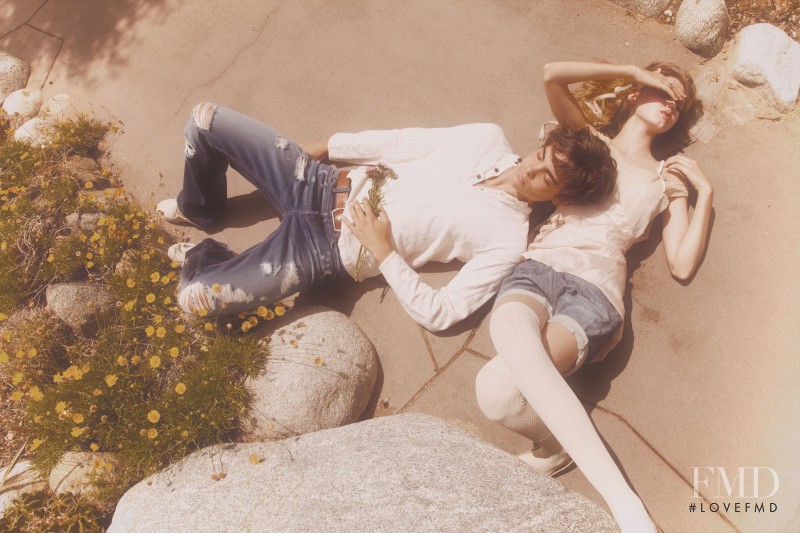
(195, 298)
(497, 394)
(202, 114)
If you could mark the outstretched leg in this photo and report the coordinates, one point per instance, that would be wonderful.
(516, 328)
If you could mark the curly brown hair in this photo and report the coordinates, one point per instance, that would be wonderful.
(606, 106)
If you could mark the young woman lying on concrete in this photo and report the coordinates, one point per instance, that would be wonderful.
(562, 306)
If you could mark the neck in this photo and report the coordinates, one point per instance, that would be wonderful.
(634, 139)
(504, 182)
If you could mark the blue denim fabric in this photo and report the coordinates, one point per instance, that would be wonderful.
(302, 251)
(576, 303)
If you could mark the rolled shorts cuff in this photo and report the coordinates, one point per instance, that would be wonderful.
(568, 322)
(580, 338)
(522, 292)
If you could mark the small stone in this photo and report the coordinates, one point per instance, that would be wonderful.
(24, 102)
(14, 74)
(55, 106)
(702, 25)
(645, 8)
(766, 56)
(68, 302)
(34, 131)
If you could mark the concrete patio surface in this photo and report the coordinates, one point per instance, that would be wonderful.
(707, 372)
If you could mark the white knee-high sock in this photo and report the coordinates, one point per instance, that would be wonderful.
(516, 334)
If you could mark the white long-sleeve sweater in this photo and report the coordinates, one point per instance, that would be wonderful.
(438, 212)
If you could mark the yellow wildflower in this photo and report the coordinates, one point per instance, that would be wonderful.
(77, 418)
(130, 283)
(37, 419)
(88, 185)
(89, 264)
(254, 458)
(180, 388)
(280, 310)
(173, 352)
(76, 431)
(154, 277)
(32, 352)
(17, 395)
(150, 298)
(51, 258)
(152, 433)
(208, 326)
(161, 332)
(154, 416)
(149, 330)
(155, 361)
(180, 328)
(261, 311)
(16, 378)
(269, 315)
(121, 361)
(129, 306)
(3, 357)
(136, 360)
(61, 407)
(202, 312)
(35, 443)
(35, 394)
(94, 447)
(246, 327)
(216, 288)
(184, 433)
(98, 392)
(253, 321)
(110, 380)
(167, 300)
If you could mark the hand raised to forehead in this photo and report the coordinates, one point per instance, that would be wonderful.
(656, 80)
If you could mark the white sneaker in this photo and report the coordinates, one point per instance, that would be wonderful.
(177, 252)
(552, 465)
(169, 211)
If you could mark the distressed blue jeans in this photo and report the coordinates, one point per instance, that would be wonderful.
(302, 251)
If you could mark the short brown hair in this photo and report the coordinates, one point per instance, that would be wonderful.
(585, 171)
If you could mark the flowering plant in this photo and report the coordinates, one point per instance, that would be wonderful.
(377, 175)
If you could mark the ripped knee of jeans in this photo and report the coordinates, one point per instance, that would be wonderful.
(195, 298)
(202, 114)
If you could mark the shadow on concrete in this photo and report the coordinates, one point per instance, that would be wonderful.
(106, 36)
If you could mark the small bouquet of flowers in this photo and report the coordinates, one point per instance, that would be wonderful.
(378, 176)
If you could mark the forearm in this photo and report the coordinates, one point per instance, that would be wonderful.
(691, 247)
(566, 72)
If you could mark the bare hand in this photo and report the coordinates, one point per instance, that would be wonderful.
(373, 232)
(688, 169)
(655, 79)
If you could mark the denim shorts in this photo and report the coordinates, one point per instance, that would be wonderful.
(573, 302)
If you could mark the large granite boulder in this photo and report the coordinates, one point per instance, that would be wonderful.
(320, 374)
(646, 8)
(24, 102)
(765, 56)
(82, 306)
(702, 25)
(14, 74)
(407, 472)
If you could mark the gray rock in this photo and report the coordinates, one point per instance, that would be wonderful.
(82, 306)
(21, 480)
(56, 107)
(14, 74)
(320, 374)
(24, 102)
(765, 56)
(646, 8)
(84, 221)
(407, 472)
(77, 472)
(702, 25)
(34, 131)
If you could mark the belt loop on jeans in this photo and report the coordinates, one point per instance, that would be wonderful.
(340, 194)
